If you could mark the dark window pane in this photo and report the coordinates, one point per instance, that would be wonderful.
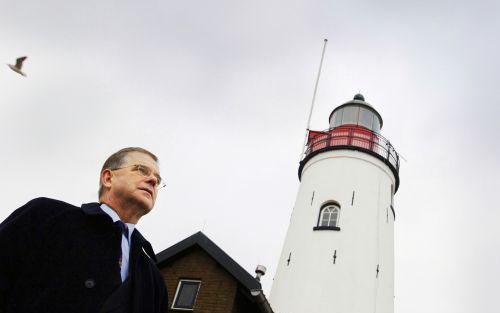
(187, 295)
(325, 218)
(333, 219)
(365, 118)
(376, 124)
(337, 118)
(350, 115)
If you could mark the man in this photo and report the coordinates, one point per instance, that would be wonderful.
(55, 257)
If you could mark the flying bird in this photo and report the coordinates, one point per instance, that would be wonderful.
(19, 65)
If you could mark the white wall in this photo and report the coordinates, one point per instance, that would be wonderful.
(311, 282)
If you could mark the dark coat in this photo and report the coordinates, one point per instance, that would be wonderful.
(55, 257)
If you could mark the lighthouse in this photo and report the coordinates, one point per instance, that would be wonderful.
(338, 254)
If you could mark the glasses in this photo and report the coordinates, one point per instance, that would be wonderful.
(145, 171)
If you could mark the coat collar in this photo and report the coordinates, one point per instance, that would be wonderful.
(94, 209)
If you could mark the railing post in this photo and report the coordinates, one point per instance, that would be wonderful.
(388, 145)
(397, 161)
(329, 138)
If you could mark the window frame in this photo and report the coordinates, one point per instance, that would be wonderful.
(177, 293)
(328, 205)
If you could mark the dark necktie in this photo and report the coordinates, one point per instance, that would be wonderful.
(124, 229)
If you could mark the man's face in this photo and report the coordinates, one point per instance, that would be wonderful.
(131, 188)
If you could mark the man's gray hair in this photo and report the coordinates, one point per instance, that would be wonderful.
(117, 159)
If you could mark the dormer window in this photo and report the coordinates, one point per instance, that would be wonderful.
(328, 217)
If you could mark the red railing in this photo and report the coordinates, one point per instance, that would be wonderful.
(353, 137)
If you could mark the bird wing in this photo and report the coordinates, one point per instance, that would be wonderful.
(19, 62)
(15, 69)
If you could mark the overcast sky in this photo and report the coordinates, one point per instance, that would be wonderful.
(220, 91)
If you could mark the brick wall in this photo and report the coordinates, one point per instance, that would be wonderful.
(218, 288)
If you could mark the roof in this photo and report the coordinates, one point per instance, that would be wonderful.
(199, 239)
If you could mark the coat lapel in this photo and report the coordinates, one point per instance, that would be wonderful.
(135, 294)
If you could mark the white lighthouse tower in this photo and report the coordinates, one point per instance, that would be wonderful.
(338, 255)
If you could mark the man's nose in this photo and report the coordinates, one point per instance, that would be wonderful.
(152, 180)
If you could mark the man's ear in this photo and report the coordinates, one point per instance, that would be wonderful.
(106, 177)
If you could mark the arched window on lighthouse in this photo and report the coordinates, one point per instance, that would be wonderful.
(328, 217)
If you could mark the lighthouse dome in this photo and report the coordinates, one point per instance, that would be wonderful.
(356, 112)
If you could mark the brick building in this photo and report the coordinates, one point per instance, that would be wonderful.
(202, 278)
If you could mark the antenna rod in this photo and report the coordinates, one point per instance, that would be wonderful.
(313, 100)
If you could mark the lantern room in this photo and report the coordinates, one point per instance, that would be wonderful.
(356, 112)
(354, 125)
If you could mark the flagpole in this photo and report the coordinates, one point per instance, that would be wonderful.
(313, 100)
